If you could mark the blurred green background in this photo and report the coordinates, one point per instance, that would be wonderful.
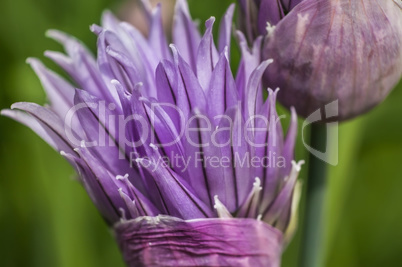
(46, 218)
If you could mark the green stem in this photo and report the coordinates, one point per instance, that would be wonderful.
(312, 245)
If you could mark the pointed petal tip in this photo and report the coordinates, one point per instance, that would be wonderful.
(221, 208)
(95, 29)
(36, 64)
(50, 54)
(6, 112)
(293, 114)
(297, 165)
(107, 12)
(210, 22)
(173, 48)
(108, 16)
(265, 64)
(241, 38)
(231, 8)
(31, 60)
(269, 61)
(18, 105)
(57, 35)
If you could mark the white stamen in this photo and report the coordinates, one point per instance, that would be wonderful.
(123, 215)
(82, 144)
(119, 177)
(115, 82)
(297, 165)
(63, 153)
(153, 146)
(256, 194)
(175, 53)
(270, 91)
(221, 209)
(270, 28)
(138, 86)
(257, 184)
(226, 52)
(259, 217)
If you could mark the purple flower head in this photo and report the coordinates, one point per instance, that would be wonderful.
(186, 161)
(350, 51)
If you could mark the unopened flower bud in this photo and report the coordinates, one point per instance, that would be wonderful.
(350, 51)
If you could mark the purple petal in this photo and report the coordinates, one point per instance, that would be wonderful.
(157, 39)
(185, 34)
(204, 176)
(207, 55)
(268, 146)
(144, 59)
(167, 87)
(222, 93)
(289, 146)
(165, 135)
(190, 93)
(109, 21)
(249, 208)
(94, 189)
(254, 93)
(108, 67)
(55, 131)
(80, 65)
(166, 82)
(110, 185)
(237, 175)
(225, 29)
(58, 90)
(272, 212)
(40, 128)
(126, 70)
(177, 196)
(105, 143)
(249, 62)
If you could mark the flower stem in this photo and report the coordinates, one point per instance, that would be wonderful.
(312, 245)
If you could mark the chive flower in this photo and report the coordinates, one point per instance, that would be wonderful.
(187, 163)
